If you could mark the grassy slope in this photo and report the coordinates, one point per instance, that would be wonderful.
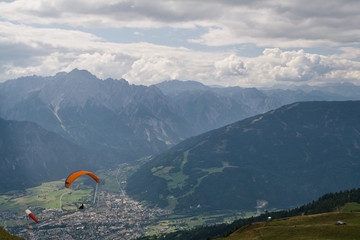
(55, 195)
(47, 195)
(4, 235)
(318, 226)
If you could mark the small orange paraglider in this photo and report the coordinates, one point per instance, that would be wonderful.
(72, 177)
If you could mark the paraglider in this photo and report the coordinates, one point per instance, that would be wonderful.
(72, 177)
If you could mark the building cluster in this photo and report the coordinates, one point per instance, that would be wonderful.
(114, 216)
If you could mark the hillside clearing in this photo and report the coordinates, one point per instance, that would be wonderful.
(318, 226)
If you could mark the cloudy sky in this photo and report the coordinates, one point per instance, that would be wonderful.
(249, 43)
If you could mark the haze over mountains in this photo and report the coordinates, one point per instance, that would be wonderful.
(208, 108)
(118, 122)
(280, 159)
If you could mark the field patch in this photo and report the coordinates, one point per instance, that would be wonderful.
(47, 195)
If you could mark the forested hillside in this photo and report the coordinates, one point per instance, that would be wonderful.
(280, 159)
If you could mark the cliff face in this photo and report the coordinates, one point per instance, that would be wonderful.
(118, 121)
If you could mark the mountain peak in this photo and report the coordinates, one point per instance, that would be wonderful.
(80, 74)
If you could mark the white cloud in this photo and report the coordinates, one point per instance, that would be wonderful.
(44, 37)
(43, 53)
(54, 50)
(291, 67)
(152, 69)
(51, 37)
(230, 66)
(349, 53)
(287, 24)
(296, 65)
(278, 23)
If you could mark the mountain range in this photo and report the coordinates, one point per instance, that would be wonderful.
(279, 159)
(121, 122)
(114, 121)
(30, 155)
(207, 108)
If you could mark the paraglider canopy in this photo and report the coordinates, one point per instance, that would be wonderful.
(72, 177)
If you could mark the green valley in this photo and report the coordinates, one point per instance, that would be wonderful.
(56, 207)
(47, 195)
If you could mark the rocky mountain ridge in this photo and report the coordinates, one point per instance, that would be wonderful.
(121, 121)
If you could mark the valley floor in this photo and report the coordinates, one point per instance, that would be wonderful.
(113, 216)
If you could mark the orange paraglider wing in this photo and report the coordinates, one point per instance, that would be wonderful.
(72, 177)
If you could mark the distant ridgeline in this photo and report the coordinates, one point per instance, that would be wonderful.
(327, 203)
(122, 122)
